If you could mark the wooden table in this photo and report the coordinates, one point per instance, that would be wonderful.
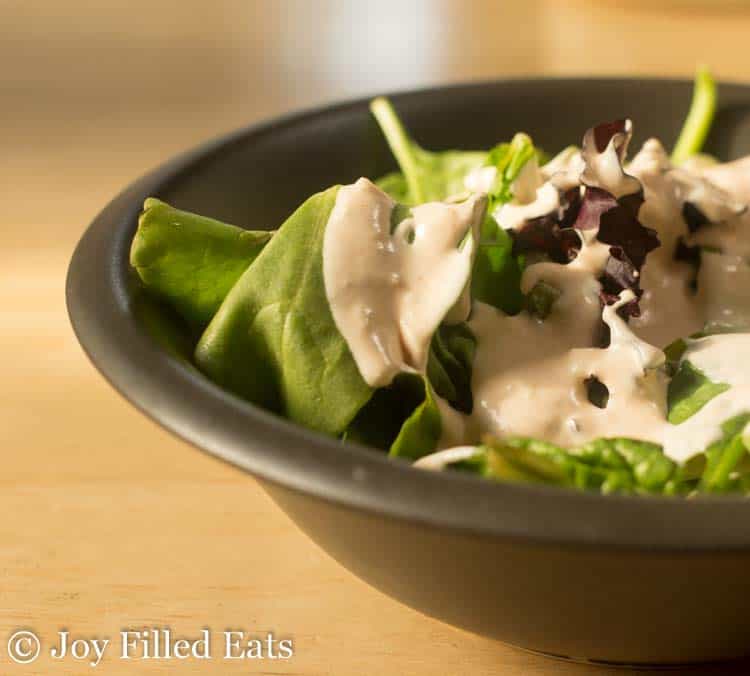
(109, 522)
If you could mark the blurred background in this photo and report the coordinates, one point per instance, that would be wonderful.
(94, 93)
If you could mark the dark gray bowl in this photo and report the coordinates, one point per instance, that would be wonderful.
(617, 579)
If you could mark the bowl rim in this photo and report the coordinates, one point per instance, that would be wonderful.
(182, 400)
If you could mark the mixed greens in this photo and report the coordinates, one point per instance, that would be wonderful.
(255, 306)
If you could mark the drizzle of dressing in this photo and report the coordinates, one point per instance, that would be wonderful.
(668, 306)
(528, 182)
(724, 289)
(733, 177)
(514, 214)
(528, 376)
(389, 291)
(480, 179)
(567, 163)
(727, 187)
(527, 382)
(536, 191)
(455, 427)
(604, 170)
(723, 359)
(440, 459)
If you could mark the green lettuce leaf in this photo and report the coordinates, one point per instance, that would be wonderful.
(496, 276)
(617, 465)
(509, 159)
(723, 457)
(651, 470)
(700, 116)
(527, 462)
(450, 363)
(676, 349)
(402, 419)
(274, 341)
(620, 465)
(420, 433)
(394, 184)
(189, 261)
(604, 470)
(425, 176)
(165, 325)
(689, 391)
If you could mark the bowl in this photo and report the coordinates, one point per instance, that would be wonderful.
(603, 578)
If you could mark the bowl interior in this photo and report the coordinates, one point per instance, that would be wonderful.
(257, 181)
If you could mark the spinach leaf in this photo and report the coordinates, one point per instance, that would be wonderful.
(274, 341)
(450, 362)
(437, 372)
(617, 465)
(700, 116)
(535, 461)
(165, 325)
(651, 470)
(427, 176)
(401, 418)
(689, 391)
(190, 261)
(673, 354)
(496, 275)
(518, 462)
(394, 184)
(541, 298)
(620, 465)
(508, 159)
(421, 431)
(676, 349)
(380, 420)
(724, 455)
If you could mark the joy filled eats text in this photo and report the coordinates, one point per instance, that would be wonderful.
(148, 643)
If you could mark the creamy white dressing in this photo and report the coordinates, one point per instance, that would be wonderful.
(724, 289)
(733, 177)
(731, 236)
(716, 203)
(529, 382)
(514, 214)
(722, 359)
(567, 162)
(537, 388)
(528, 182)
(668, 307)
(456, 427)
(441, 459)
(480, 179)
(388, 295)
(604, 170)
(388, 292)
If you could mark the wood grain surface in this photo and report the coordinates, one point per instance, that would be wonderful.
(110, 523)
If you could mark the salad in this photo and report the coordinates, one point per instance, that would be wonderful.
(580, 320)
